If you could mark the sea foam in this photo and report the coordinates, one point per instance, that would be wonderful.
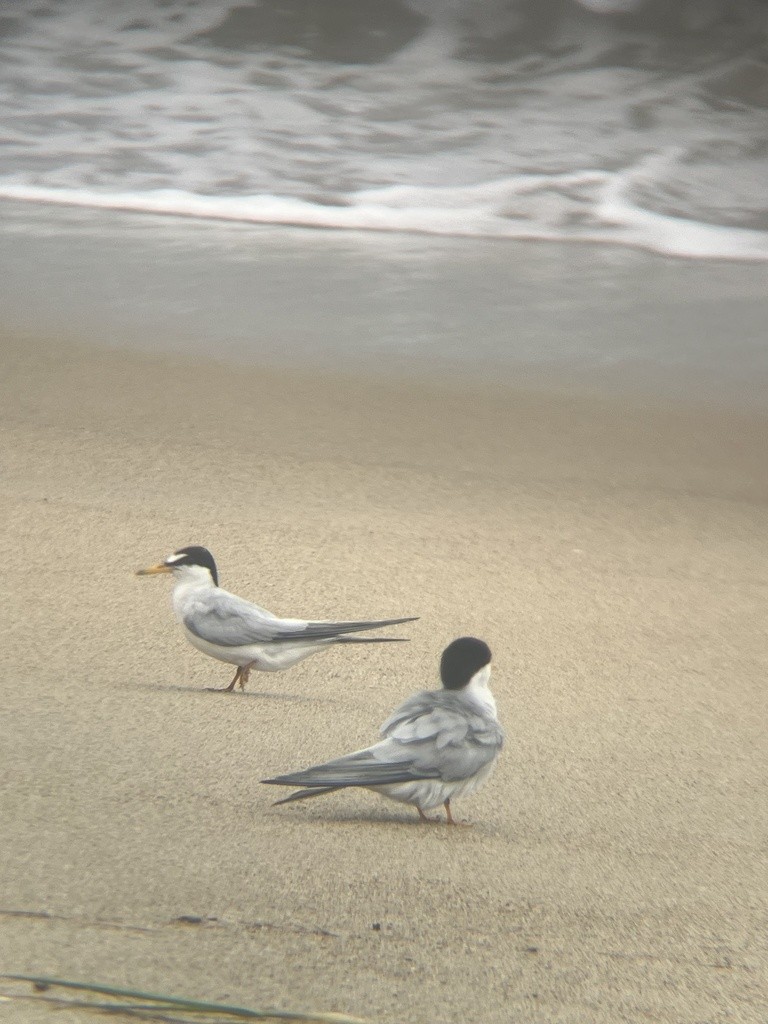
(506, 121)
(587, 206)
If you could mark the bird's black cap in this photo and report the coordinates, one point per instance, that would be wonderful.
(461, 660)
(194, 555)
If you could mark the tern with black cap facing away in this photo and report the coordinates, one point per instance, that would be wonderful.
(232, 630)
(439, 744)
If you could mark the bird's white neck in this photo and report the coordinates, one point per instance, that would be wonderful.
(192, 576)
(478, 690)
(188, 581)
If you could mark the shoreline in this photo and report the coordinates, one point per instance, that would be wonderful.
(603, 322)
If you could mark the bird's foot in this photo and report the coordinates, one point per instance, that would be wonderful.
(245, 673)
(227, 689)
(428, 821)
(449, 818)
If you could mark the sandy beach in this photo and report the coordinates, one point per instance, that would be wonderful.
(612, 553)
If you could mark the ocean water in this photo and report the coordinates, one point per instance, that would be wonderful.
(603, 320)
(613, 122)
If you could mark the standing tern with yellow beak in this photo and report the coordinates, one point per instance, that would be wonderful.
(232, 630)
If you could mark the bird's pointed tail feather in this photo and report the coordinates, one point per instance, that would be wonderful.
(372, 640)
(305, 794)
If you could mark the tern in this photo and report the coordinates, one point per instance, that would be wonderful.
(230, 629)
(437, 745)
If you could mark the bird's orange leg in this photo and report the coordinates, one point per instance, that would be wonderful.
(228, 689)
(450, 820)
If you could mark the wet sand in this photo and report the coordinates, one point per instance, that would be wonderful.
(611, 551)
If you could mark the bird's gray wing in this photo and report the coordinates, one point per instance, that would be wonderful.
(229, 621)
(298, 629)
(447, 731)
(379, 765)
(426, 738)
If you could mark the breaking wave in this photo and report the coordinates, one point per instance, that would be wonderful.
(612, 121)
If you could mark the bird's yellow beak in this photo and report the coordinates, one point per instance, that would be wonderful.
(154, 569)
